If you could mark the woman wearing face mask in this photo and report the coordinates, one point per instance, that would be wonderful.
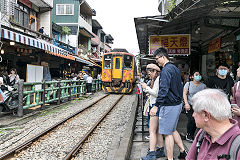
(191, 88)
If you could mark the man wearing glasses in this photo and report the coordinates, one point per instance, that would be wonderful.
(169, 102)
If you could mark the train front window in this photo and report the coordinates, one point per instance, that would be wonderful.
(128, 62)
(117, 63)
(107, 61)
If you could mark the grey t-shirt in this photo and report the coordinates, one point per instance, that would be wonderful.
(193, 89)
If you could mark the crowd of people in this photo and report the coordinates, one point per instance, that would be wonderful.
(82, 75)
(12, 78)
(7, 81)
(212, 109)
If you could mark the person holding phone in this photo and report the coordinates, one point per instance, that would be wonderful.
(153, 71)
(235, 103)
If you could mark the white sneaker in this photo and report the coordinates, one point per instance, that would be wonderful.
(147, 137)
(189, 139)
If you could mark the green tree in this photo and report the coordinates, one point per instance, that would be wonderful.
(66, 30)
(172, 4)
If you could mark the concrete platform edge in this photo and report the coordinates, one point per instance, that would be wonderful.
(125, 145)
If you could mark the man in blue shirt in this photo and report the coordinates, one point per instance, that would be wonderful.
(169, 103)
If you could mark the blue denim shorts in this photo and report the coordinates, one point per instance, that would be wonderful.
(150, 107)
(168, 119)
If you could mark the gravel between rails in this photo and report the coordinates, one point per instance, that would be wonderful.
(13, 136)
(110, 131)
(59, 142)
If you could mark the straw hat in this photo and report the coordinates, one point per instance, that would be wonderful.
(153, 66)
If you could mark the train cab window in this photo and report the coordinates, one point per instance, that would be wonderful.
(107, 61)
(128, 62)
(117, 63)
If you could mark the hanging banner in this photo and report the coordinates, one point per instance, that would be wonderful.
(178, 44)
(214, 45)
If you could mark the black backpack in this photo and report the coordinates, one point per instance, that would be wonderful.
(233, 150)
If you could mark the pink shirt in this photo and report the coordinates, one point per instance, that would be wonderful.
(236, 100)
(236, 95)
(209, 150)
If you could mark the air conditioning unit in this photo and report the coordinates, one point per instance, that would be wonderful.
(7, 6)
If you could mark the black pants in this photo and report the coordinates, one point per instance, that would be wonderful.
(191, 125)
(89, 87)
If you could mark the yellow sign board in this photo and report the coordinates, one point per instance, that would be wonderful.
(214, 45)
(178, 44)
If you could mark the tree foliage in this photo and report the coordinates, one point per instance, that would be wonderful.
(172, 4)
(66, 30)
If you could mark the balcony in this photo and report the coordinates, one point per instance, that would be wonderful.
(28, 31)
(95, 41)
(65, 46)
(83, 22)
(82, 50)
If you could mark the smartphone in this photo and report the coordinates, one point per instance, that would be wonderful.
(234, 106)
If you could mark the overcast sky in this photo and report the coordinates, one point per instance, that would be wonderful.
(117, 18)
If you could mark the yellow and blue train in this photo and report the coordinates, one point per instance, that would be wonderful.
(118, 72)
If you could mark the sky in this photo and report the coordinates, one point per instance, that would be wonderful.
(117, 18)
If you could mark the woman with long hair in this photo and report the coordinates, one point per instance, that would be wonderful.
(13, 77)
(155, 138)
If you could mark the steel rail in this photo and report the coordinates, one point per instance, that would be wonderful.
(31, 140)
(75, 149)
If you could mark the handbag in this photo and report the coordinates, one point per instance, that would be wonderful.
(146, 107)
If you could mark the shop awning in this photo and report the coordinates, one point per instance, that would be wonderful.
(36, 43)
(89, 62)
(95, 64)
(204, 20)
(83, 61)
(85, 32)
(40, 3)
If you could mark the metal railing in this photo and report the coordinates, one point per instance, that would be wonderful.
(42, 93)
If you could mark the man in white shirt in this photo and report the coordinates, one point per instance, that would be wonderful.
(89, 84)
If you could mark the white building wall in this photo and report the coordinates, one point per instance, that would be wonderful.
(84, 24)
(50, 2)
(6, 9)
(45, 21)
(4, 19)
(72, 39)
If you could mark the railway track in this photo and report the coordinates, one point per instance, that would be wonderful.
(38, 139)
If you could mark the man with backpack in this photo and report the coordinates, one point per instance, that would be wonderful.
(219, 135)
